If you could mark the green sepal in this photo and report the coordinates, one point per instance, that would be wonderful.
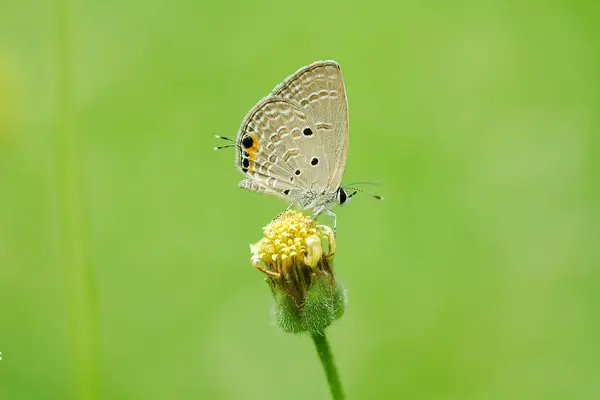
(318, 312)
(339, 300)
(286, 313)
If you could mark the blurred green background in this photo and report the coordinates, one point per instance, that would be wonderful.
(477, 278)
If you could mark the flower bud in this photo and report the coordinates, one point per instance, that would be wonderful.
(299, 271)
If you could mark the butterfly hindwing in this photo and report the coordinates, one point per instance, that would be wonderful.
(274, 148)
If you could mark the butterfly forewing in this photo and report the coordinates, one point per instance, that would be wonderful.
(270, 152)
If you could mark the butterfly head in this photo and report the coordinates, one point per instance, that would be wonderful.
(342, 196)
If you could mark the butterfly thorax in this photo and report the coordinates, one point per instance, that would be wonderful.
(313, 200)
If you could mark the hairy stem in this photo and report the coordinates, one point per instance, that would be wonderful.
(328, 365)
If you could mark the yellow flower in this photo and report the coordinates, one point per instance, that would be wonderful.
(298, 267)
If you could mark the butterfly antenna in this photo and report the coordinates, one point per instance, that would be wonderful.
(224, 147)
(364, 192)
(232, 144)
(225, 138)
(363, 183)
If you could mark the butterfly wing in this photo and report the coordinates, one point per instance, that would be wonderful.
(273, 149)
(318, 89)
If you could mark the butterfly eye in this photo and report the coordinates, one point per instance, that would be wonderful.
(342, 196)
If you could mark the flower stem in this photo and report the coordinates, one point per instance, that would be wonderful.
(75, 252)
(328, 365)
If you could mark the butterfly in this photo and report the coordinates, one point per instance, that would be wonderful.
(293, 143)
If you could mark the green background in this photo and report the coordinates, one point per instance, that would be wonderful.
(477, 278)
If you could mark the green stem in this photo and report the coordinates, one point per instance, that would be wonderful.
(328, 365)
(75, 247)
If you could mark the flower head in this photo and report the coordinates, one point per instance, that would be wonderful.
(300, 272)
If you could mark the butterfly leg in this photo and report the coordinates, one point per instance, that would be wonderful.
(316, 214)
(327, 212)
(291, 205)
(286, 209)
(332, 214)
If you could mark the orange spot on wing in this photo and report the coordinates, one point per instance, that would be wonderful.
(253, 150)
